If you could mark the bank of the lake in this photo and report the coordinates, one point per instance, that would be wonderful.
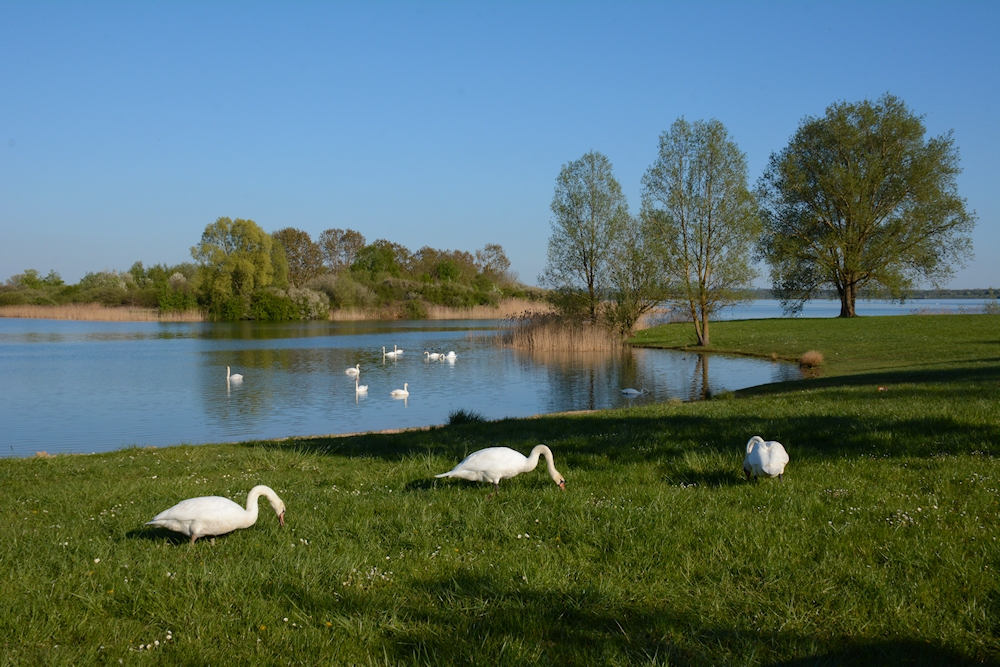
(879, 547)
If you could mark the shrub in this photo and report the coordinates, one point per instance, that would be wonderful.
(413, 309)
(811, 359)
(310, 304)
(463, 416)
(272, 305)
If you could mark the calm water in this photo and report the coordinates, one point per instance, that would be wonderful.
(99, 386)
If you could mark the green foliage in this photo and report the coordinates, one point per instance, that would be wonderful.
(588, 210)
(272, 305)
(463, 416)
(381, 258)
(701, 219)
(235, 261)
(413, 309)
(340, 247)
(304, 258)
(859, 201)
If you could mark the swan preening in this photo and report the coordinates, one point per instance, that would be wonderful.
(451, 356)
(214, 515)
(401, 393)
(235, 377)
(496, 463)
(765, 458)
(354, 371)
(359, 388)
(632, 393)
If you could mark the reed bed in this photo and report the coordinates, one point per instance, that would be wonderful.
(545, 332)
(506, 309)
(98, 313)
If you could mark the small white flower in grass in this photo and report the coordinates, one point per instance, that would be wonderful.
(97, 560)
(285, 619)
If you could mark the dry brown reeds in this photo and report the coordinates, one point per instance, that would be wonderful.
(506, 309)
(811, 359)
(534, 331)
(98, 313)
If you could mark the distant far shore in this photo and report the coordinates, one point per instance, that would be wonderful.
(99, 313)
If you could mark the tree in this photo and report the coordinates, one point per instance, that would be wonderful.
(492, 262)
(235, 259)
(340, 247)
(588, 209)
(859, 201)
(635, 278)
(304, 257)
(382, 257)
(701, 216)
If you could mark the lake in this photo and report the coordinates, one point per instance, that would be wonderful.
(85, 387)
(68, 386)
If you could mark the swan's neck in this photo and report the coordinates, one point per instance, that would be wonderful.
(541, 450)
(252, 497)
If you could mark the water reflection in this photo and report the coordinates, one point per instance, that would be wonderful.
(150, 384)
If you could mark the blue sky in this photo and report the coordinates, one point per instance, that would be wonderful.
(127, 127)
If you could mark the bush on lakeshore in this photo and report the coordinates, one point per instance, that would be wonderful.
(463, 416)
(811, 359)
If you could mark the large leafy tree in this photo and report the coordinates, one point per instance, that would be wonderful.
(588, 210)
(235, 259)
(860, 201)
(702, 217)
(636, 281)
(304, 257)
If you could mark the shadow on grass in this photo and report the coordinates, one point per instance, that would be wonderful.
(516, 623)
(154, 534)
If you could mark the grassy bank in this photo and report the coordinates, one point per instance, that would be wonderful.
(880, 546)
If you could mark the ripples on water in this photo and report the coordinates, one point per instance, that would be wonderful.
(98, 386)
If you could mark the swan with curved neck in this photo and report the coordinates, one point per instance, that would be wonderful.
(496, 463)
(354, 371)
(214, 515)
(401, 393)
(391, 355)
(359, 388)
(235, 377)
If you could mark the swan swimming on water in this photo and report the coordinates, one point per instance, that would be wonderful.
(496, 463)
(401, 393)
(391, 355)
(235, 377)
(354, 371)
(432, 356)
(765, 458)
(632, 393)
(214, 515)
(359, 388)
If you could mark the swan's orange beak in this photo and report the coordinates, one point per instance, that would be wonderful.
(281, 518)
(562, 484)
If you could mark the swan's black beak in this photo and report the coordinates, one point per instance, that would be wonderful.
(281, 518)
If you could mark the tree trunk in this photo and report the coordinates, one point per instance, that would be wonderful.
(848, 295)
(703, 333)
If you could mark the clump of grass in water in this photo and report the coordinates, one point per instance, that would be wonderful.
(549, 331)
(463, 416)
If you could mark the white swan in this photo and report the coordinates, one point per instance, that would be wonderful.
(432, 356)
(214, 515)
(401, 393)
(359, 388)
(391, 355)
(450, 356)
(765, 458)
(235, 377)
(632, 393)
(496, 463)
(354, 371)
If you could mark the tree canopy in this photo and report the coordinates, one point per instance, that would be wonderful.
(235, 256)
(304, 257)
(588, 210)
(699, 213)
(860, 201)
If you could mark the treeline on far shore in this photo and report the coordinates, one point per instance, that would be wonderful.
(243, 272)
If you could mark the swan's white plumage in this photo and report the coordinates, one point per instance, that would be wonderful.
(393, 354)
(354, 371)
(235, 377)
(765, 458)
(496, 463)
(632, 393)
(401, 393)
(432, 356)
(214, 515)
(359, 388)
(450, 355)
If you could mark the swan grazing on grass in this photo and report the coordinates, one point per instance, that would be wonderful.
(765, 458)
(214, 515)
(359, 388)
(632, 393)
(496, 463)
(354, 371)
(235, 377)
(401, 393)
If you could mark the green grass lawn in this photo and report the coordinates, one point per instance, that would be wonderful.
(880, 547)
